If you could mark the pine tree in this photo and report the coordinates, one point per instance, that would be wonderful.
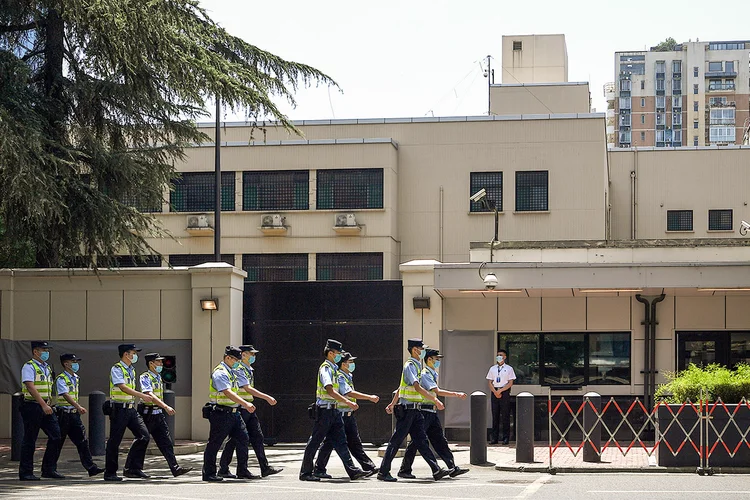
(98, 99)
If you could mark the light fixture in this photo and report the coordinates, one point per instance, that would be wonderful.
(492, 291)
(609, 290)
(421, 302)
(738, 289)
(210, 304)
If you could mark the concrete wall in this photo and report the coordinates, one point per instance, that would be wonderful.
(542, 58)
(528, 98)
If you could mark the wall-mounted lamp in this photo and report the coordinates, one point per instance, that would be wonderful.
(421, 302)
(210, 304)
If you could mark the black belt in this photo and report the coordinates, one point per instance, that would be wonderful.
(144, 409)
(124, 406)
(226, 409)
(327, 406)
(66, 410)
(418, 406)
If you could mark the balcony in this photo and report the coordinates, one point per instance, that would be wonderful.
(722, 104)
(721, 74)
(721, 87)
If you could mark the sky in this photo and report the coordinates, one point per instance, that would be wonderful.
(413, 58)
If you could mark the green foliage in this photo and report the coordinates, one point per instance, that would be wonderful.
(711, 383)
(665, 46)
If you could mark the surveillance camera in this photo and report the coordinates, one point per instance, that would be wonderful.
(479, 195)
(744, 227)
(490, 281)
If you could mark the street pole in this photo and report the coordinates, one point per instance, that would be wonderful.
(489, 85)
(217, 182)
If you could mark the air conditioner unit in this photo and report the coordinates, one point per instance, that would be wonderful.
(345, 220)
(197, 221)
(272, 220)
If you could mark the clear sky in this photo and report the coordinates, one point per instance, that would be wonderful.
(413, 58)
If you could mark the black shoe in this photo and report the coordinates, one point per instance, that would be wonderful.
(270, 471)
(135, 474)
(372, 472)
(359, 474)
(322, 475)
(505, 441)
(440, 474)
(179, 471)
(95, 471)
(28, 477)
(112, 477)
(457, 471)
(308, 477)
(247, 475)
(213, 479)
(406, 475)
(225, 474)
(52, 475)
(386, 477)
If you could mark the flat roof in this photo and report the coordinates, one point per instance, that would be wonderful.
(302, 142)
(541, 84)
(585, 244)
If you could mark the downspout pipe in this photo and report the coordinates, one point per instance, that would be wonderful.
(646, 349)
(654, 322)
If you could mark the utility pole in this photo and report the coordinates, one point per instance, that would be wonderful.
(490, 80)
(217, 182)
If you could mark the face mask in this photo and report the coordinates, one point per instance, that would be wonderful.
(135, 358)
(236, 365)
(336, 358)
(75, 367)
(351, 367)
(158, 368)
(421, 354)
(251, 360)
(437, 364)
(500, 359)
(44, 355)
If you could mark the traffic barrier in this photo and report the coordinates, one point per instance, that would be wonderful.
(97, 444)
(17, 427)
(169, 400)
(478, 429)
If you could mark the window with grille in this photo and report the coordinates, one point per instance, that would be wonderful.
(349, 266)
(142, 203)
(194, 259)
(275, 267)
(137, 261)
(532, 190)
(679, 220)
(343, 189)
(720, 220)
(490, 181)
(276, 190)
(517, 45)
(195, 192)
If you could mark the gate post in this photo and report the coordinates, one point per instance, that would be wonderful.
(478, 429)
(525, 427)
(592, 447)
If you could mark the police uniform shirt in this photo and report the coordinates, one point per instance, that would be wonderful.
(500, 375)
(147, 386)
(242, 380)
(326, 374)
(344, 386)
(62, 387)
(429, 378)
(117, 376)
(221, 379)
(28, 374)
(411, 375)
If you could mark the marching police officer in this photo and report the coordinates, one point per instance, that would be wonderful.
(328, 422)
(69, 413)
(122, 395)
(247, 391)
(409, 418)
(433, 429)
(154, 416)
(353, 441)
(225, 418)
(37, 413)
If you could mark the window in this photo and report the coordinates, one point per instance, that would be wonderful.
(197, 259)
(721, 134)
(720, 220)
(624, 102)
(643, 102)
(695, 140)
(722, 116)
(350, 189)
(624, 139)
(532, 190)
(140, 203)
(695, 124)
(677, 120)
(625, 85)
(715, 66)
(275, 267)
(659, 84)
(643, 84)
(660, 135)
(660, 102)
(695, 105)
(695, 71)
(493, 183)
(695, 88)
(643, 118)
(608, 359)
(715, 84)
(660, 66)
(661, 118)
(677, 138)
(624, 120)
(676, 86)
(676, 102)
(729, 67)
(275, 190)
(702, 348)
(137, 261)
(194, 192)
(676, 66)
(717, 101)
(524, 351)
(679, 220)
(727, 46)
(643, 136)
(517, 45)
(349, 266)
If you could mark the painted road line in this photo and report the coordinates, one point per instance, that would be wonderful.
(534, 487)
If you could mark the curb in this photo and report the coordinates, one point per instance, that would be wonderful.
(618, 470)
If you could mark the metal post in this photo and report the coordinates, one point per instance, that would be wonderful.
(96, 424)
(525, 427)
(549, 426)
(217, 181)
(489, 85)
(17, 427)
(478, 429)
(592, 429)
(169, 399)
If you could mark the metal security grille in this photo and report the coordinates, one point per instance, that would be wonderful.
(350, 189)
(490, 181)
(285, 190)
(195, 192)
(142, 204)
(197, 259)
(275, 267)
(720, 220)
(349, 266)
(137, 261)
(532, 191)
(679, 220)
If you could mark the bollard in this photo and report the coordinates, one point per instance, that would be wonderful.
(525, 427)
(17, 427)
(478, 429)
(96, 424)
(169, 399)
(591, 427)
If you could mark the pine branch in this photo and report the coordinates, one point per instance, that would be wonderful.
(12, 28)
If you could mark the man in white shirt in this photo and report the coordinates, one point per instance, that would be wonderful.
(500, 379)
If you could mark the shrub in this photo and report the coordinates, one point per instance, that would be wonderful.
(713, 382)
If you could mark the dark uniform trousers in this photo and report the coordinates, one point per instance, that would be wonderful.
(33, 420)
(353, 442)
(501, 415)
(255, 434)
(119, 420)
(71, 426)
(157, 427)
(329, 426)
(412, 423)
(436, 436)
(223, 424)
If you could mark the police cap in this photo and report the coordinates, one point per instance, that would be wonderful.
(123, 348)
(233, 351)
(412, 343)
(69, 357)
(334, 345)
(39, 344)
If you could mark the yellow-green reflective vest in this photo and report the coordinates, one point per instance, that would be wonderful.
(349, 380)
(156, 386)
(248, 373)
(408, 392)
(42, 383)
(72, 383)
(218, 397)
(320, 392)
(117, 394)
(426, 371)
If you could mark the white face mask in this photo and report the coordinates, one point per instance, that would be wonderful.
(500, 359)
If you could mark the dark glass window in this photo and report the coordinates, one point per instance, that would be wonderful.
(195, 192)
(276, 190)
(679, 220)
(517, 45)
(275, 267)
(609, 358)
(350, 189)
(137, 261)
(564, 359)
(142, 204)
(720, 220)
(194, 259)
(523, 353)
(493, 183)
(532, 191)
(349, 266)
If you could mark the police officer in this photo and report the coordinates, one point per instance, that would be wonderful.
(69, 412)
(433, 429)
(122, 395)
(37, 413)
(353, 441)
(409, 418)
(247, 391)
(225, 416)
(328, 422)
(154, 416)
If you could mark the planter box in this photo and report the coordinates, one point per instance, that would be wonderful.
(731, 437)
(673, 436)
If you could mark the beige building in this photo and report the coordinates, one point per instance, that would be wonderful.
(540, 98)
(534, 59)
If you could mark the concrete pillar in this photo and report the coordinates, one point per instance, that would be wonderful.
(592, 449)
(418, 278)
(525, 427)
(478, 429)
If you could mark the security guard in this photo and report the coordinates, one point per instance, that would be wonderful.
(69, 413)
(409, 418)
(353, 441)
(124, 415)
(247, 391)
(328, 422)
(37, 413)
(154, 416)
(433, 429)
(225, 416)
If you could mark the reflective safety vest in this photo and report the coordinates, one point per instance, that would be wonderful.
(428, 373)
(250, 376)
(72, 383)
(218, 397)
(408, 392)
(117, 394)
(349, 380)
(320, 392)
(156, 386)
(42, 383)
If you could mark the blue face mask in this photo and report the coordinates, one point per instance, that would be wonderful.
(251, 360)
(336, 358)
(437, 364)
(351, 367)
(422, 353)
(158, 368)
(500, 359)
(75, 367)
(135, 358)
(236, 365)
(44, 356)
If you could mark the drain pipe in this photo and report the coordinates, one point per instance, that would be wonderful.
(646, 349)
(654, 322)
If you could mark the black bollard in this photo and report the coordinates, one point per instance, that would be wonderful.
(96, 424)
(525, 427)
(169, 399)
(593, 447)
(17, 427)
(478, 429)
